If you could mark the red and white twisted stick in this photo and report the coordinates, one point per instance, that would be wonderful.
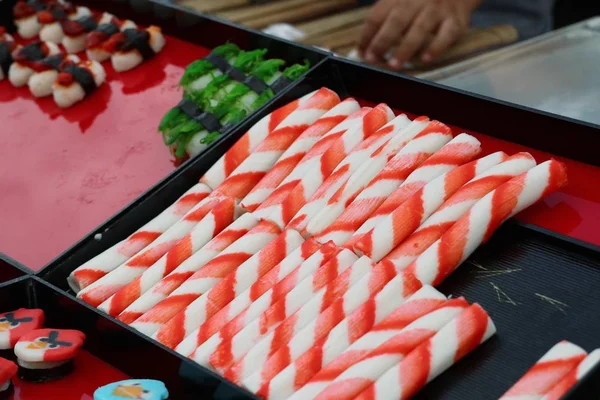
(270, 308)
(249, 142)
(576, 375)
(456, 206)
(207, 277)
(109, 284)
(477, 225)
(282, 279)
(361, 168)
(245, 177)
(280, 325)
(357, 143)
(238, 283)
(320, 135)
(561, 359)
(381, 186)
(211, 225)
(186, 269)
(116, 255)
(404, 220)
(457, 152)
(403, 330)
(187, 320)
(456, 339)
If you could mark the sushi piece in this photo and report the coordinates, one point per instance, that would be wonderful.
(146, 389)
(7, 48)
(24, 13)
(8, 370)
(45, 355)
(200, 73)
(15, 324)
(97, 38)
(76, 81)
(21, 69)
(132, 46)
(75, 32)
(49, 19)
(41, 83)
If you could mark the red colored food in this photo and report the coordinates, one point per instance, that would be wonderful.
(65, 79)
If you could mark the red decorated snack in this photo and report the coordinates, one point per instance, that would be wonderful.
(15, 324)
(49, 345)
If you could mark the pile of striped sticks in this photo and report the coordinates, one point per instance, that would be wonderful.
(303, 263)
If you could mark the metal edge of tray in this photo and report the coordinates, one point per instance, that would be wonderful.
(494, 57)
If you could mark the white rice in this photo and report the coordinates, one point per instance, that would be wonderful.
(41, 83)
(52, 33)
(18, 74)
(157, 40)
(124, 61)
(80, 12)
(74, 44)
(98, 55)
(28, 27)
(128, 24)
(67, 96)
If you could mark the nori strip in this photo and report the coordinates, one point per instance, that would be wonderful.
(46, 375)
(108, 29)
(82, 76)
(31, 52)
(88, 23)
(138, 39)
(53, 61)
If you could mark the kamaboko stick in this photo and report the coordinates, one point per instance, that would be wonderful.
(289, 308)
(477, 225)
(207, 277)
(270, 308)
(374, 194)
(561, 359)
(239, 183)
(404, 220)
(576, 375)
(211, 225)
(357, 173)
(242, 294)
(116, 255)
(109, 284)
(456, 206)
(456, 339)
(280, 381)
(186, 321)
(415, 321)
(186, 269)
(360, 141)
(217, 174)
(282, 278)
(321, 131)
(457, 152)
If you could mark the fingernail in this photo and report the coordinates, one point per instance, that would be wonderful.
(370, 57)
(395, 63)
(426, 57)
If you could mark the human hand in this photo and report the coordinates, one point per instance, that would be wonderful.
(408, 24)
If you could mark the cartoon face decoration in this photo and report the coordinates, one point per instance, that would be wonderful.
(15, 324)
(49, 345)
(8, 369)
(139, 389)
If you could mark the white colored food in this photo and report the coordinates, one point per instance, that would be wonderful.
(124, 61)
(74, 44)
(66, 96)
(41, 83)
(28, 27)
(80, 12)
(40, 364)
(99, 55)
(52, 32)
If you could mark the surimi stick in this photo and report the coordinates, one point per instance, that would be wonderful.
(456, 339)
(248, 142)
(456, 206)
(114, 256)
(547, 372)
(239, 183)
(476, 226)
(211, 225)
(323, 130)
(577, 374)
(186, 269)
(287, 296)
(247, 275)
(403, 221)
(457, 152)
(185, 322)
(419, 318)
(281, 206)
(205, 278)
(103, 288)
(336, 217)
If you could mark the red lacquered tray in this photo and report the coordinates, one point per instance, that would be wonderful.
(63, 172)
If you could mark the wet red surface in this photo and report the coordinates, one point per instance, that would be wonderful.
(90, 373)
(63, 172)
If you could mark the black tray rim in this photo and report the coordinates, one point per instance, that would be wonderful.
(16, 264)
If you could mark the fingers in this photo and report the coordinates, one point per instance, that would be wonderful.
(395, 24)
(375, 20)
(447, 34)
(415, 37)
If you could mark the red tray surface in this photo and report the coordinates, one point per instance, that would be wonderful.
(63, 172)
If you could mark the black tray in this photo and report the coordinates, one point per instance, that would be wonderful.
(11, 269)
(116, 344)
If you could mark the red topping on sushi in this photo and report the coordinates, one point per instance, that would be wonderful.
(65, 79)
(72, 28)
(116, 42)
(15, 324)
(22, 10)
(8, 369)
(95, 39)
(45, 17)
(54, 344)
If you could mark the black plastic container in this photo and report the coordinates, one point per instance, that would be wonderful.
(11, 269)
